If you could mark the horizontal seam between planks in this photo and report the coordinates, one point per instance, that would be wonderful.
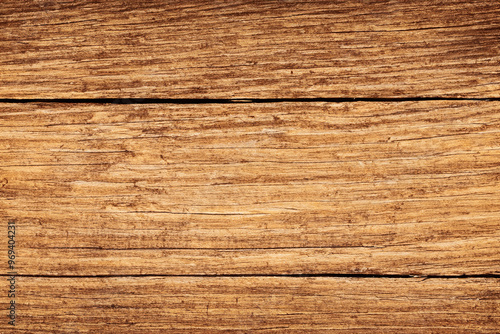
(205, 249)
(424, 277)
(239, 100)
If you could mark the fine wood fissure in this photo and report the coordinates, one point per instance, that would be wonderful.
(241, 100)
(332, 275)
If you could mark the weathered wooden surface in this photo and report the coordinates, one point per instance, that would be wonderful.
(304, 217)
(257, 304)
(282, 188)
(257, 49)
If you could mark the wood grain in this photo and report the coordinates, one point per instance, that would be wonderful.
(257, 304)
(249, 205)
(407, 188)
(256, 49)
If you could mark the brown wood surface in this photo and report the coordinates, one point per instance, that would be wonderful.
(281, 188)
(258, 305)
(249, 49)
(353, 188)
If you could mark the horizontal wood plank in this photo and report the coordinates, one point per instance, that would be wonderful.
(283, 188)
(255, 304)
(241, 49)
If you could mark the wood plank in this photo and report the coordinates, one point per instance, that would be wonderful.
(256, 304)
(281, 188)
(240, 49)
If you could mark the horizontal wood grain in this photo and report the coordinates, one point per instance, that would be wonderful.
(281, 188)
(256, 304)
(241, 49)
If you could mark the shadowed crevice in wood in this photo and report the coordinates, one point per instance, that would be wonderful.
(332, 275)
(241, 100)
(211, 248)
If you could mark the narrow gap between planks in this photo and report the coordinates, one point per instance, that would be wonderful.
(239, 100)
(424, 277)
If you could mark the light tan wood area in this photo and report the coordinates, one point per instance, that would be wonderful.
(258, 305)
(406, 188)
(249, 49)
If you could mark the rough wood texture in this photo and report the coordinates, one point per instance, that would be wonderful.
(256, 49)
(282, 188)
(251, 217)
(257, 305)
